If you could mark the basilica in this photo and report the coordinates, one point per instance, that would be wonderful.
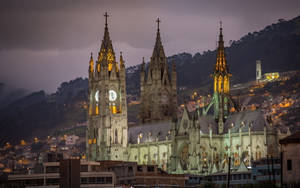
(201, 141)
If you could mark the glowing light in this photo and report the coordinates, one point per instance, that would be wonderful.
(109, 66)
(23, 143)
(114, 109)
(92, 65)
(7, 170)
(98, 67)
(97, 110)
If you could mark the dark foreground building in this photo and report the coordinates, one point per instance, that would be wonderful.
(73, 173)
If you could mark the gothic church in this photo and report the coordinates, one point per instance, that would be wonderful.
(196, 143)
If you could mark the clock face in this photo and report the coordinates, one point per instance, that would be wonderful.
(112, 95)
(97, 96)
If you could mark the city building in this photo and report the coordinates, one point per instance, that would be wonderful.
(55, 174)
(290, 148)
(200, 142)
(75, 173)
(130, 173)
(267, 170)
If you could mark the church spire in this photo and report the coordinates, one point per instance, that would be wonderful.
(221, 41)
(106, 39)
(106, 54)
(158, 48)
(221, 64)
(221, 84)
(91, 65)
(122, 62)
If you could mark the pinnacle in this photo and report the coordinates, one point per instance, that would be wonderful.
(106, 42)
(158, 48)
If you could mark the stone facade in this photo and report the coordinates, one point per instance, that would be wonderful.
(107, 119)
(194, 144)
(158, 86)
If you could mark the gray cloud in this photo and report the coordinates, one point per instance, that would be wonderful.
(57, 36)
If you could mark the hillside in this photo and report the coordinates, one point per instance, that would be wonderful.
(38, 114)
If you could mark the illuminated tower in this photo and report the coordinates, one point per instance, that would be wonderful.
(107, 117)
(221, 84)
(158, 86)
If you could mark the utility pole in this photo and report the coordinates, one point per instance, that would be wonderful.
(269, 173)
(273, 172)
(228, 174)
(281, 170)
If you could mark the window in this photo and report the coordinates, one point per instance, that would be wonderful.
(52, 181)
(52, 169)
(164, 154)
(84, 181)
(289, 164)
(150, 169)
(83, 168)
(108, 180)
(92, 180)
(139, 168)
(130, 169)
(100, 180)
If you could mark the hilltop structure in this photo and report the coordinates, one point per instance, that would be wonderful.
(196, 143)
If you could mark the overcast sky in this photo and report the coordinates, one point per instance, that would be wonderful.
(44, 43)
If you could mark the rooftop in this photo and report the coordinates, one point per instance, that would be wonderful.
(294, 138)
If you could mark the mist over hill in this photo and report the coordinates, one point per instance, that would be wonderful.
(24, 115)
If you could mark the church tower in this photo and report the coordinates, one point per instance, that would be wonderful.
(221, 85)
(107, 115)
(158, 87)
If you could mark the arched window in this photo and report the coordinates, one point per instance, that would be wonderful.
(116, 136)
(220, 82)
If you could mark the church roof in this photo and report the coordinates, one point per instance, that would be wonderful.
(255, 119)
(245, 119)
(149, 132)
(206, 122)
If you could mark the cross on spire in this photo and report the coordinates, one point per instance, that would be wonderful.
(158, 21)
(106, 15)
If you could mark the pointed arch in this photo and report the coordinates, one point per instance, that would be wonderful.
(116, 136)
